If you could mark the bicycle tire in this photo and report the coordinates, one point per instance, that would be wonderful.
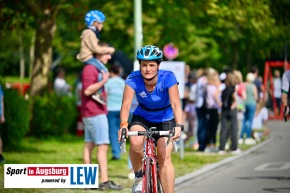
(159, 187)
(155, 178)
(148, 175)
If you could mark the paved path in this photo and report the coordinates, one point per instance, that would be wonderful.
(263, 168)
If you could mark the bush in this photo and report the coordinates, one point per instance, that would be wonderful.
(17, 115)
(53, 115)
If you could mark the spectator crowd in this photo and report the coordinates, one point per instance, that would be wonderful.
(221, 111)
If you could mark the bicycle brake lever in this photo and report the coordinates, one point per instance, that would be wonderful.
(168, 140)
(171, 134)
(123, 141)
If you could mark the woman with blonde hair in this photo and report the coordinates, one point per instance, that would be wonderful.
(241, 97)
(250, 108)
(201, 110)
(213, 104)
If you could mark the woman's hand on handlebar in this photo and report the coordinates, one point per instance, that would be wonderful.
(120, 133)
(177, 134)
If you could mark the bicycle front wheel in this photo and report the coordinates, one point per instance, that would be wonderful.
(148, 187)
(159, 186)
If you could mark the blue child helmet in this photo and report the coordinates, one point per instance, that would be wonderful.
(94, 15)
(149, 52)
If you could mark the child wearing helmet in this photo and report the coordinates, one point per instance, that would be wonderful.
(90, 38)
(159, 105)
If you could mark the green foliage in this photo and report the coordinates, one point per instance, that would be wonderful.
(17, 116)
(13, 79)
(53, 115)
(237, 33)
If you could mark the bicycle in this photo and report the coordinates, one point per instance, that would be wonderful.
(150, 167)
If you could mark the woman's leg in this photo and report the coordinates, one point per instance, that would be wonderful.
(234, 130)
(114, 123)
(244, 125)
(167, 173)
(224, 131)
(201, 128)
(252, 109)
(213, 125)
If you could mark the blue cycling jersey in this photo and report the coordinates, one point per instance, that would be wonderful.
(155, 105)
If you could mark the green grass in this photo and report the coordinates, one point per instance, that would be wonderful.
(68, 150)
(13, 79)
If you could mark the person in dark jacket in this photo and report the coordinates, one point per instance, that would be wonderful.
(229, 115)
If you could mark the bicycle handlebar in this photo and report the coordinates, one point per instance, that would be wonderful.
(168, 134)
(147, 133)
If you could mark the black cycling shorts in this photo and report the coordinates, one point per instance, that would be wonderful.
(162, 126)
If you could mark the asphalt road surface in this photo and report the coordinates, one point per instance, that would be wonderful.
(264, 168)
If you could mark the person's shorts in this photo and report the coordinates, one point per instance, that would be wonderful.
(97, 129)
(162, 126)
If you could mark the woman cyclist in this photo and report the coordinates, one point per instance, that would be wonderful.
(159, 106)
(285, 90)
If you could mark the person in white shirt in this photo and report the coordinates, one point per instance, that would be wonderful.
(61, 87)
(285, 91)
(190, 114)
(277, 91)
(260, 121)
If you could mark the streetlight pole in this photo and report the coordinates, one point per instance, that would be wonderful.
(138, 32)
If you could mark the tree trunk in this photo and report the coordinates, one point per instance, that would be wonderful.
(21, 60)
(45, 32)
(31, 54)
(21, 56)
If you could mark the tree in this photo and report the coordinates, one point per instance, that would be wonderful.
(278, 47)
(41, 14)
(14, 21)
(45, 31)
(207, 32)
(241, 28)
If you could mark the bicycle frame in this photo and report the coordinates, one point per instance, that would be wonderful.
(150, 179)
(150, 169)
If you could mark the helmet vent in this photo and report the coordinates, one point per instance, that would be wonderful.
(147, 52)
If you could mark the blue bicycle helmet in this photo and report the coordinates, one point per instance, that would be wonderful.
(94, 15)
(150, 53)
